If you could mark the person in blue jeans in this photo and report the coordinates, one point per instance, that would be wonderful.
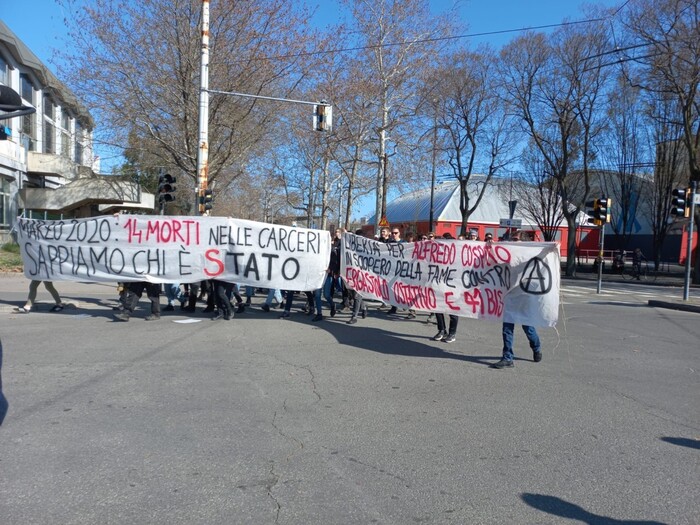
(534, 339)
(508, 328)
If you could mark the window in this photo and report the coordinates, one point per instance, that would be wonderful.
(49, 137)
(65, 144)
(49, 125)
(26, 88)
(29, 130)
(49, 107)
(78, 153)
(4, 204)
(65, 133)
(4, 76)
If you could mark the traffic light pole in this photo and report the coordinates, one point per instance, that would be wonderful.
(689, 251)
(601, 243)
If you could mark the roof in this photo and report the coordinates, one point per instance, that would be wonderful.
(24, 56)
(415, 206)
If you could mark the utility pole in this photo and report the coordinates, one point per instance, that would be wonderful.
(431, 219)
(203, 151)
(323, 116)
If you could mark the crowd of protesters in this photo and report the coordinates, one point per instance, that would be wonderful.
(223, 299)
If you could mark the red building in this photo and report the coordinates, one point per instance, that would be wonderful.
(411, 213)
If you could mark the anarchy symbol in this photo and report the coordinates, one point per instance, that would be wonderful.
(536, 278)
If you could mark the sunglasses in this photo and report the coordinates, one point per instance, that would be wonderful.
(395, 233)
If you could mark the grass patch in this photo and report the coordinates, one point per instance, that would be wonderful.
(10, 259)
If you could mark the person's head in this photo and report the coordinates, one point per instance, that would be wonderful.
(384, 233)
(447, 235)
(360, 232)
(339, 232)
(473, 235)
(488, 237)
(395, 233)
(410, 237)
(515, 236)
(431, 236)
(424, 237)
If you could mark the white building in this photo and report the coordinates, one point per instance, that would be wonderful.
(48, 168)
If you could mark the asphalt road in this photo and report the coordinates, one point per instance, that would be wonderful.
(260, 420)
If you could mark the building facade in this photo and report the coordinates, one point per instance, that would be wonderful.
(48, 168)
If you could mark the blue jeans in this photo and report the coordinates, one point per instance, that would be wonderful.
(173, 292)
(275, 294)
(329, 286)
(326, 291)
(531, 334)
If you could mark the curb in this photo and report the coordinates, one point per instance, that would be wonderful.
(685, 307)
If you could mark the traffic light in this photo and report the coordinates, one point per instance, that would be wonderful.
(602, 211)
(680, 203)
(323, 116)
(598, 211)
(166, 188)
(206, 201)
(591, 211)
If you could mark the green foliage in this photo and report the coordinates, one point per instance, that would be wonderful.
(11, 247)
(10, 259)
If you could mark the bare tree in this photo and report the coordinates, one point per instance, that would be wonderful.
(671, 169)
(536, 192)
(137, 66)
(666, 47)
(624, 153)
(472, 120)
(350, 142)
(553, 85)
(399, 38)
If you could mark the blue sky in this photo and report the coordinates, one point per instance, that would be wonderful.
(39, 23)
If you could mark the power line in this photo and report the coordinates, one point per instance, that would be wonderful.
(433, 39)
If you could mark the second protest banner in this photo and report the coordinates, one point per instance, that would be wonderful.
(512, 281)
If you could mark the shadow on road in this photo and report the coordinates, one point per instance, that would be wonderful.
(564, 509)
(682, 442)
(3, 400)
(394, 342)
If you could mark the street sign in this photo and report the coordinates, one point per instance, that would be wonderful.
(383, 223)
(511, 223)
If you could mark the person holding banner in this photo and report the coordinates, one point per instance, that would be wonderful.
(358, 302)
(133, 295)
(443, 335)
(33, 288)
(332, 276)
(395, 237)
(507, 330)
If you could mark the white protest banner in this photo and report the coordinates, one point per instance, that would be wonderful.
(515, 282)
(174, 249)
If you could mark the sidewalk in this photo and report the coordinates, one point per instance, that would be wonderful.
(674, 277)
